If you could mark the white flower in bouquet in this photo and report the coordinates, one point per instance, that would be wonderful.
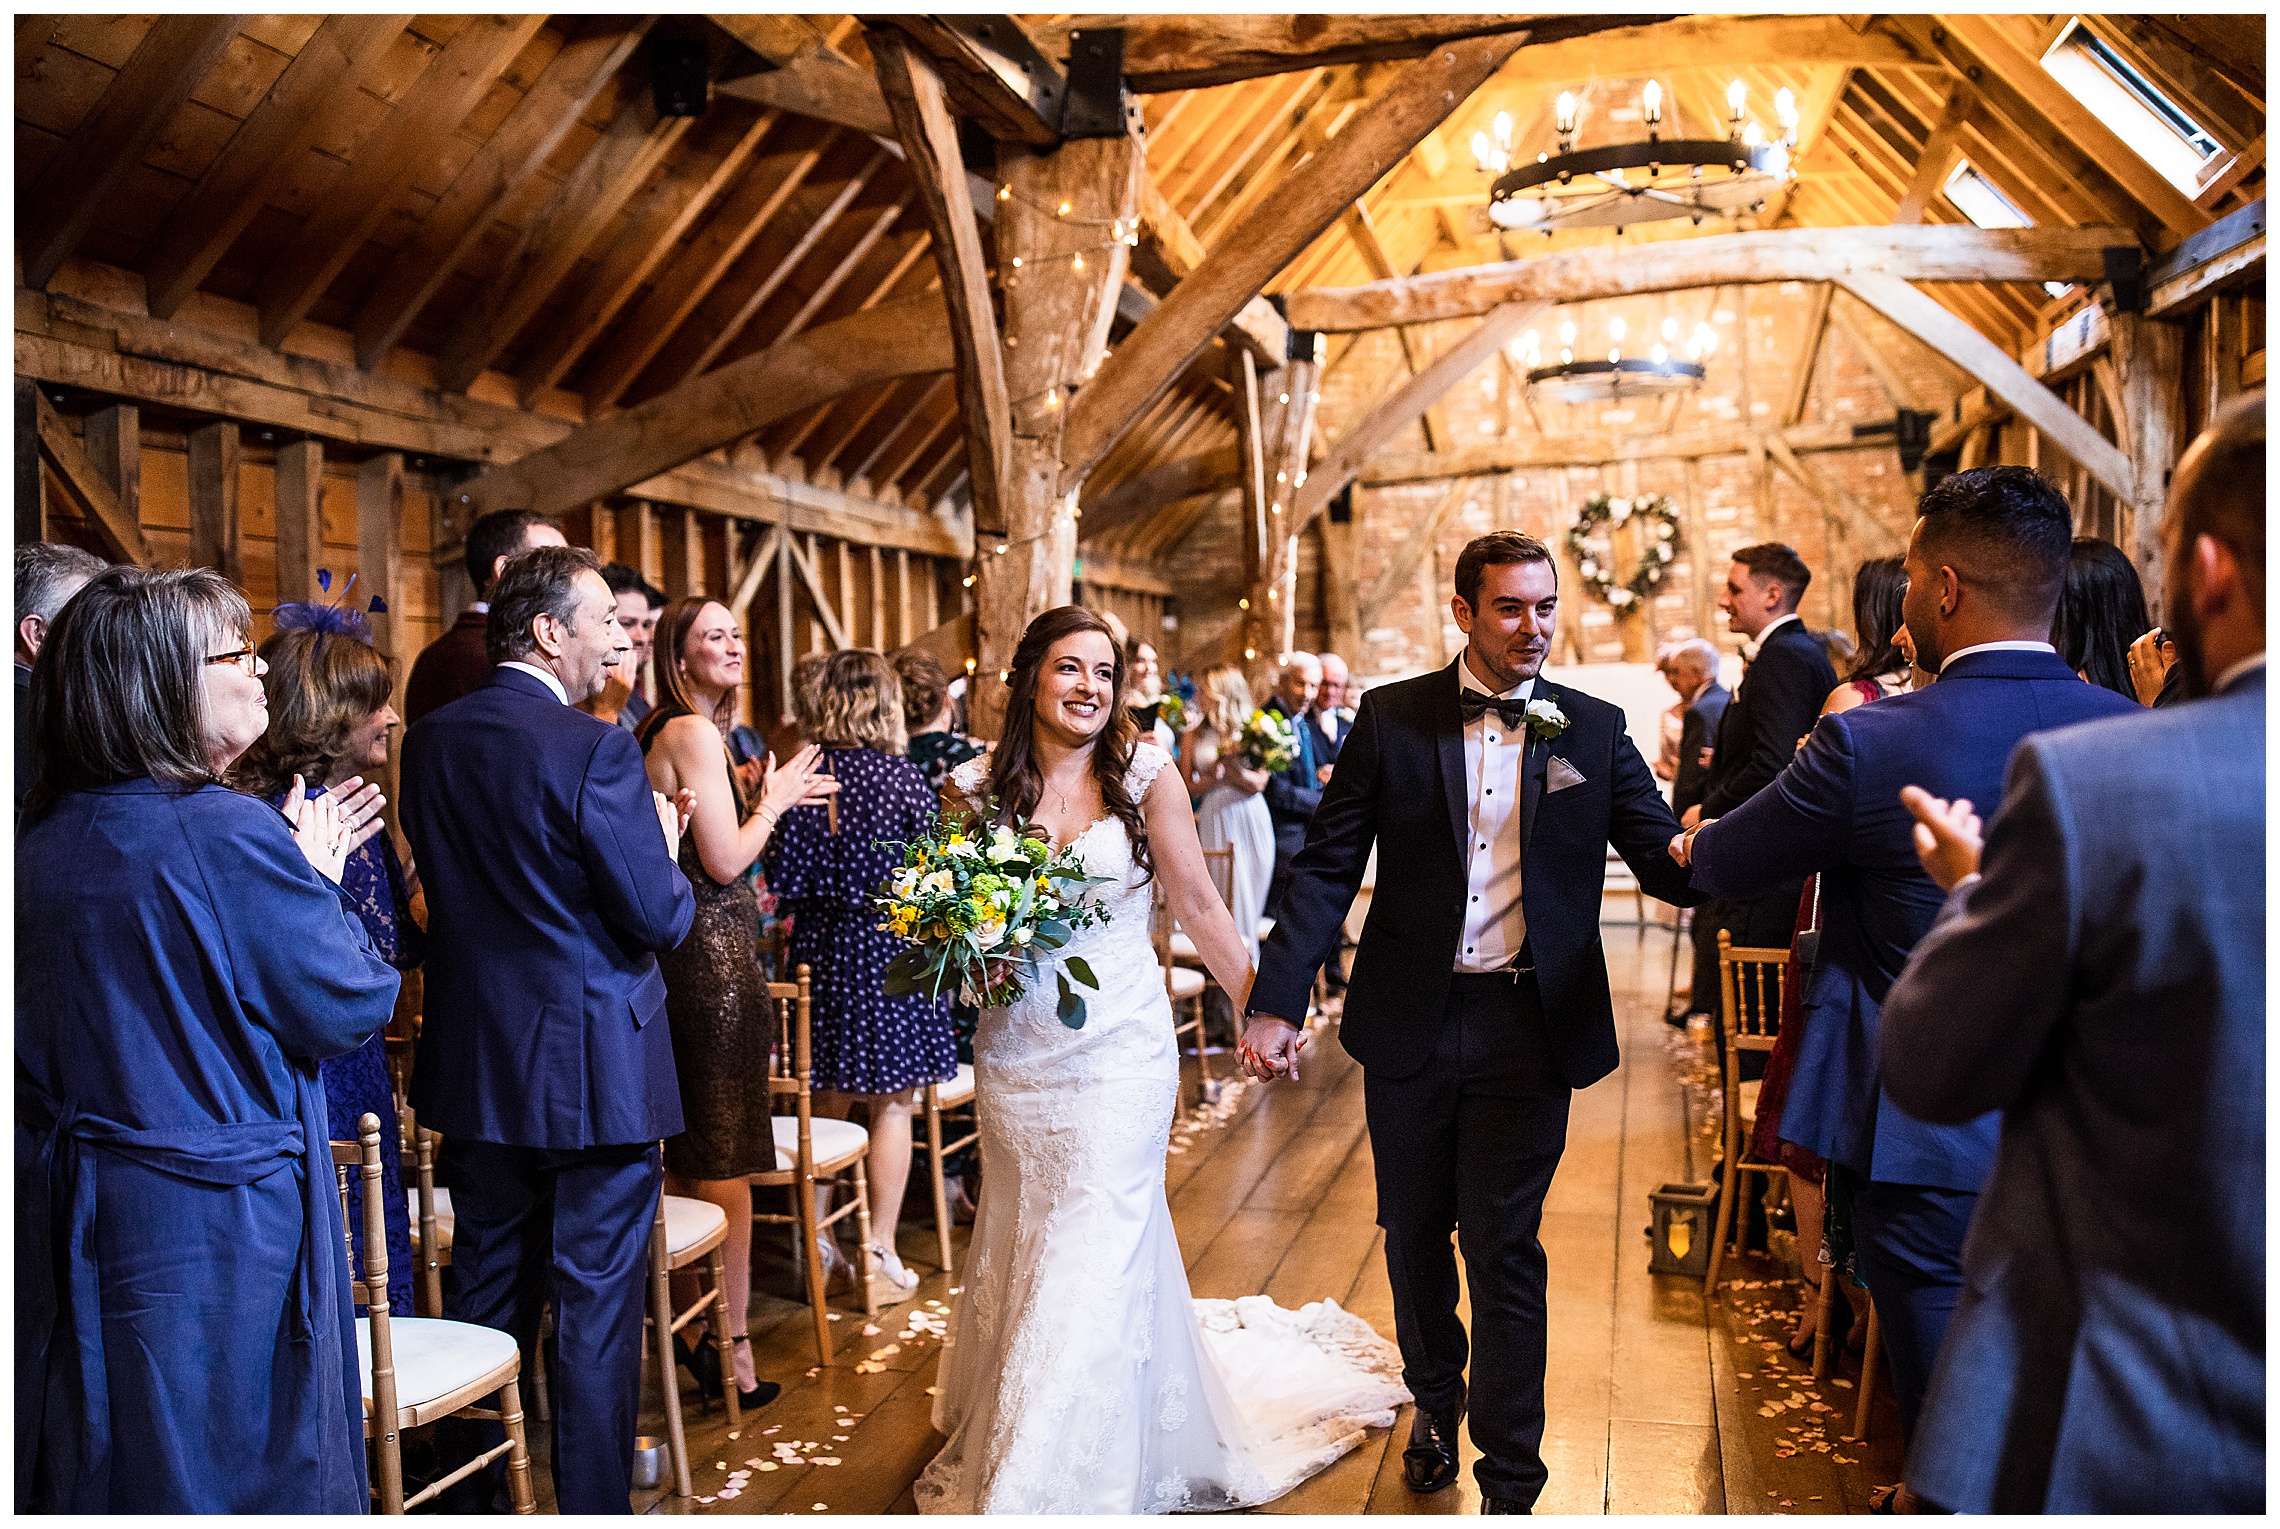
(1003, 846)
(987, 934)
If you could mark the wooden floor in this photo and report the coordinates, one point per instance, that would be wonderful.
(1272, 1192)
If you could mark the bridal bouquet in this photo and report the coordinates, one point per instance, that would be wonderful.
(983, 908)
(1268, 742)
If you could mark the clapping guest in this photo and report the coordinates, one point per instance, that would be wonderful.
(47, 574)
(936, 745)
(1144, 693)
(329, 721)
(1328, 716)
(867, 1045)
(627, 701)
(715, 998)
(2101, 614)
(2103, 985)
(1233, 815)
(185, 958)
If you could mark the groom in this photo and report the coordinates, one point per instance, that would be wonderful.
(1479, 997)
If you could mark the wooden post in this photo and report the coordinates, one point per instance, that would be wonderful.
(380, 575)
(603, 537)
(879, 599)
(1287, 396)
(1341, 599)
(692, 560)
(31, 486)
(2149, 360)
(784, 578)
(648, 551)
(1255, 630)
(300, 519)
(1058, 305)
(114, 450)
(214, 529)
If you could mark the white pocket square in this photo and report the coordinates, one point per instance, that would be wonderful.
(1559, 775)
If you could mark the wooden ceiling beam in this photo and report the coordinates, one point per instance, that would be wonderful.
(991, 67)
(580, 209)
(339, 58)
(649, 237)
(827, 88)
(1138, 497)
(917, 97)
(697, 270)
(721, 407)
(516, 150)
(1808, 351)
(94, 499)
(1377, 140)
(1988, 364)
(1403, 407)
(1169, 252)
(424, 120)
(61, 203)
(1952, 253)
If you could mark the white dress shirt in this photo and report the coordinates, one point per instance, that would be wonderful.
(2016, 645)
(552, 683)
(1494, 924)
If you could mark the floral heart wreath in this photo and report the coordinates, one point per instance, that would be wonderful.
(1587, 544)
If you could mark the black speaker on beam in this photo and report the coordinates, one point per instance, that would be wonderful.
(1913, 431)
(1341, 506)
(680, 76)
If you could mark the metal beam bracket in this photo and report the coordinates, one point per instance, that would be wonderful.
(1097, 105)
(2125, 273)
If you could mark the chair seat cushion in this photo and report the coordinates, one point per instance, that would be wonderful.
(442, 1217)
(1748, 1102)
(1183, 948)
(1186, 983)
(958, 1090)
(689, 1222)
(832, 1140)
(433, 1357)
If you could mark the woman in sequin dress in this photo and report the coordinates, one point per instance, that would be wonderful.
(329, 720)
(867, 1045)
(715, 998)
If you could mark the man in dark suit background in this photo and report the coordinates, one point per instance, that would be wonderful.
(1694, 675)
(48, 574)
(1327, 716)
(1788, 676)
(2103, 986)
(457, 663)
(1294, 791)
(1479, 998)
(1986, 564)
(545, 1060)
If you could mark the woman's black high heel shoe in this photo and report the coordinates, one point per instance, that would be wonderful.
(703, 1361)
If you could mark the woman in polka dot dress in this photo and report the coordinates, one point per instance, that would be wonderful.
(867, 1044)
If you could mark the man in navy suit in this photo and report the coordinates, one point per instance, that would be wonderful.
(544, 1059)
(1985, 566)
(1479, 998)
(1694, 674)
(1294, 791)
(2103, 987)
(1787, 678)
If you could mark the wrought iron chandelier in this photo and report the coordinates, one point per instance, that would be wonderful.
(1618, 184)
(1597, 378)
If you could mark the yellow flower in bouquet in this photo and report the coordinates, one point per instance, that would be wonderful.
(1268, 742)
(985, 909)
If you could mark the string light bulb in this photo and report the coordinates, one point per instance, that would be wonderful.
(1077, 261)
(1064, 209)
(1243, 605)
(1005, 193)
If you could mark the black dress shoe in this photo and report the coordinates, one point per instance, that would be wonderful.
(1505, 1505)
(1430, 1461)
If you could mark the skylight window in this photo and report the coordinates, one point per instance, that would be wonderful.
(1975, 196)
(2153, 125)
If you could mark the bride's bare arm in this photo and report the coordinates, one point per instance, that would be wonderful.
(1188, 890)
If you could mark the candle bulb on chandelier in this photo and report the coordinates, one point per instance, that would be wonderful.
(1566, 116)
(1651, 100)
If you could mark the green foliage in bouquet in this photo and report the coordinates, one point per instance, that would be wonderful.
(1269, 742)
(985, 907)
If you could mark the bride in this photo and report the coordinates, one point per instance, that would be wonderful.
(1078, 1375)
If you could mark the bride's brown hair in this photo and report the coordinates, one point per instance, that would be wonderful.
(1013, 781)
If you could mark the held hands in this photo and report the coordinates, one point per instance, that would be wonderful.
(328, 827)
(1948, 836)
(1682, 844)
(1270, 1048)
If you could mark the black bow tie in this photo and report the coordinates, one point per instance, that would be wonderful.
(1472, 703)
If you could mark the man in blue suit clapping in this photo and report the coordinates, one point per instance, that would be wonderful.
(2103, 986)
(544, 1059)
(1985, 566)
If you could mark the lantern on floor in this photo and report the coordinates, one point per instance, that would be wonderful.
(1684, 1225)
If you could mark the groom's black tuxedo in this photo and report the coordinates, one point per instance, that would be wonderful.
(1466, 1075)
(1400, 784)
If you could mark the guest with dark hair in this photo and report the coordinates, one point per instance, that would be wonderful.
(936, 746)
(715, 998)
(2101, 613)
(1882, 666)
(456, 663)
(47, 574)
(185, 958)
(638, 605)
(1786, 675)
(329, 721)
(1985, 566)
(548, 867)
(867, 1044)
(1144, 693)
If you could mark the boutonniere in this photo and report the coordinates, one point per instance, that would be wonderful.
(1546, 720)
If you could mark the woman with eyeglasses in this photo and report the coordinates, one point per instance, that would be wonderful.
(185, 958)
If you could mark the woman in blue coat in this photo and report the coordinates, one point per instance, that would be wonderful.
(184, 959)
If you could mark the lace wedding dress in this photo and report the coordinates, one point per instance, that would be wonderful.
(1078, 1375)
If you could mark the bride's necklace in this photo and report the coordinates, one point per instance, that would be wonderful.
(1061, 798)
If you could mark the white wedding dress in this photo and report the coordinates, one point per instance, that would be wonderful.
(1078, 1375)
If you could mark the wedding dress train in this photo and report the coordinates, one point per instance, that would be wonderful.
(1078, 1375)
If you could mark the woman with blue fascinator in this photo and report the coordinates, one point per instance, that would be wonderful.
(329, 720)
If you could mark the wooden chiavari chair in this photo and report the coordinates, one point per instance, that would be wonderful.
(1750, 980)
(942, 1099)
(686, 1233)
(1184, 985)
